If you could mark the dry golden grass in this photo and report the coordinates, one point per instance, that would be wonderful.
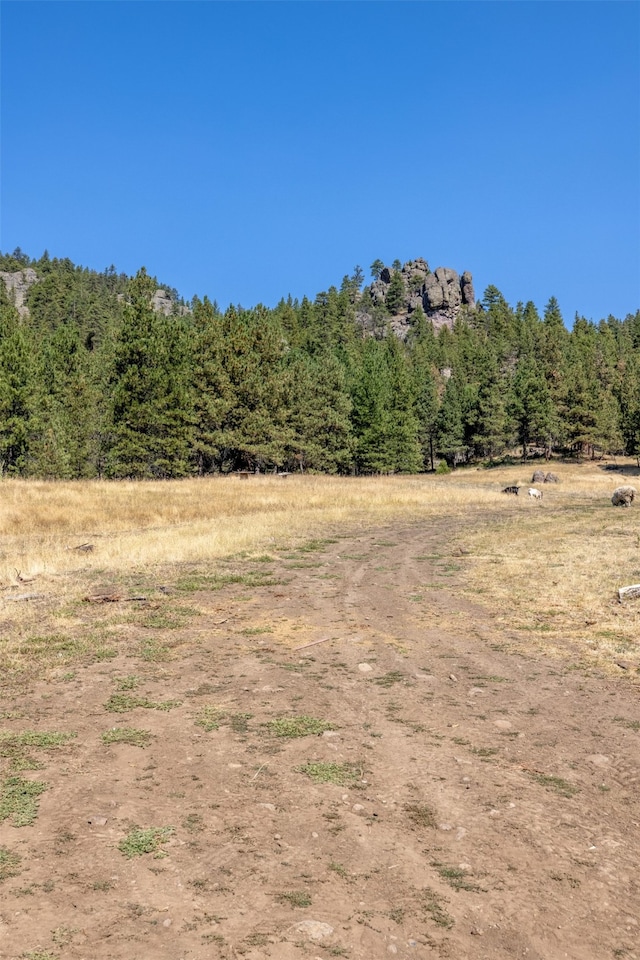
(549, 569)
(134, 524)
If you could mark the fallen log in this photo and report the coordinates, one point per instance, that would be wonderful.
(109, 598)
(26, 596)
(628, 593)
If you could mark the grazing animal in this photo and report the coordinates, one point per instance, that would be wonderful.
(511, 490)
(623, 496)
(535, 494)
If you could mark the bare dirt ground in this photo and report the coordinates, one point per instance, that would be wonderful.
(456, 798)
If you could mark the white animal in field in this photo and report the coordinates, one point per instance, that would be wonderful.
(535, 494)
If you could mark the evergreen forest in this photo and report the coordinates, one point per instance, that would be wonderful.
(95, 382)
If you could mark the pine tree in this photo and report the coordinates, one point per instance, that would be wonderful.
(151, 415)
(492, 423)
(256, 433)
(553, 356)
(65, 408)
(370, 411)
(450, 443)
(608, 426)
(500, 322)
(320, 406)
(423, 347)
(629, 403)
(530, 405)
(213, 395)
(16, 389)
(395, 296)
(403, 446)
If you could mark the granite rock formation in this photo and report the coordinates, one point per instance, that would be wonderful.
(18, 285)
(441, 293)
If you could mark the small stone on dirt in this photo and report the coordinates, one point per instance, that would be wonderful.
(365, 667)
(97, 821)
(599, 759)
(314, 929)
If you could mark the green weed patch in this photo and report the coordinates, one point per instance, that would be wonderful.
(123, 702)
(19, 800)
(343, 774)
(129, 735)
(292, 727)
(139, 842)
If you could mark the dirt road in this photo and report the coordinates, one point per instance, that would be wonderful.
(452, 798)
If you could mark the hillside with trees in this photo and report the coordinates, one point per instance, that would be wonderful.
(106, 375)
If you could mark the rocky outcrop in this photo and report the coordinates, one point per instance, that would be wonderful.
(18, 285)
(441, 294)
(162, 302)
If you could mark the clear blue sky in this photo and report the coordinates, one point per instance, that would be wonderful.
(249, 150)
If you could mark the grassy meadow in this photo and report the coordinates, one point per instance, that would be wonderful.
(548, 570)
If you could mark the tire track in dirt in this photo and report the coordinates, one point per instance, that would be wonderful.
(493, 812)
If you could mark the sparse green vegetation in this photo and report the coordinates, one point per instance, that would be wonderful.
(63, 936)
(129, 735)
(389, 679)
(340, 773)
(557, 784)
(194, 822)
(189, 583)
(127, 683)
(208, 717)
(456, 877)
(9, 863)
(122, 703)
(16, 747)
(19, 800)
(141, 841)
(57, 649)
(239, 722)
(292, 727)
(421, 814)
(164, 618)
(432, 906)
(629, 724)
(295, 898)
(256, 940)
(311, 546)
(484, 752)
(153, 651)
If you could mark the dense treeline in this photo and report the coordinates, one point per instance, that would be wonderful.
(95, 383)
